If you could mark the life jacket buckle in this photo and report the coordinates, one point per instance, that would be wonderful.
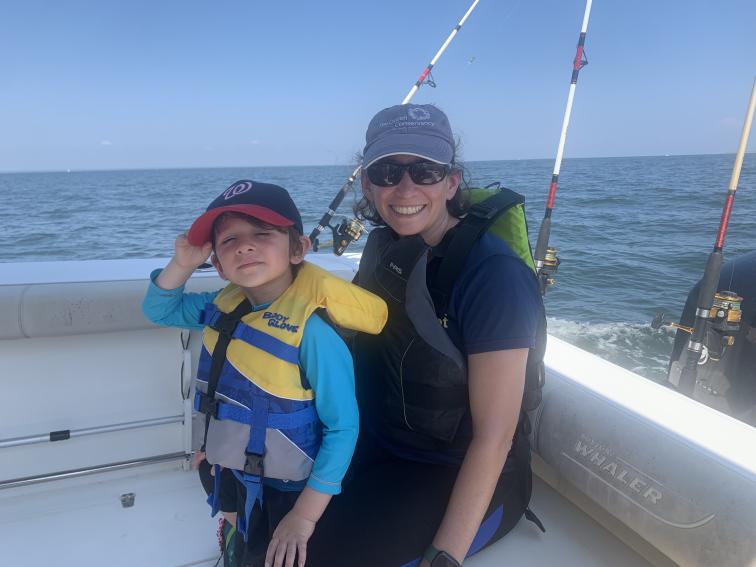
(254, 464)
(209, 406)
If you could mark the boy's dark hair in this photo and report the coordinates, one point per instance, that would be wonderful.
(295, 244)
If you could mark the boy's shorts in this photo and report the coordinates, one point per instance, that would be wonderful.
(227, 489)
(276, 504)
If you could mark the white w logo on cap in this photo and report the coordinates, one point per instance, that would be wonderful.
(237, 189)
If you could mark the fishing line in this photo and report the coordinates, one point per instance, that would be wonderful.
(546, 260)
(707, 295)
(347, 231)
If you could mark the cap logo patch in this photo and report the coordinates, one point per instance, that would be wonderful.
(417, 113)
(237, 189)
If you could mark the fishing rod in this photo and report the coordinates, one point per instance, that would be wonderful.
(707, 310)
(545, 257)
(351, 229)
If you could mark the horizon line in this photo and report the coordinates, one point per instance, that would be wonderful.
(352, 165)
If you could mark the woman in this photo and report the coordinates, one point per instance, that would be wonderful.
(437, 475)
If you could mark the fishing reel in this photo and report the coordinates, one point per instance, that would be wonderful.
(723, 325)
(547, 272)
(724, 320)
(348, 231)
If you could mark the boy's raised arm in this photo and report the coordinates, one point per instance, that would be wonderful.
(165, 302)
(186, 259)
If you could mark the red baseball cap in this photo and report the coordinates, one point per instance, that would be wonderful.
(264, 201)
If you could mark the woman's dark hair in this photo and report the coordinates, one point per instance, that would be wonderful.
(457, 205)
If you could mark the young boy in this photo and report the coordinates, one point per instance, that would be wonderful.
(276, 384)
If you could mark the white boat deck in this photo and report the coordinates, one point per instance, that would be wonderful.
(81, 522)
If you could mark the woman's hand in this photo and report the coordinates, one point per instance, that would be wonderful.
(289, 541)
(191, 257)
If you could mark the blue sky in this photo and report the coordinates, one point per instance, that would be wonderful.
(138, 84)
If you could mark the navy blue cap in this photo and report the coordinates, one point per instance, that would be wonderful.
(264, 201)
(420, 130)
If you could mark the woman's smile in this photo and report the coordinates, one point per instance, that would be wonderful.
(407, 209)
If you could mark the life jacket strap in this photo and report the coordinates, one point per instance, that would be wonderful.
(213, 499)
(225, 324)
(478, 220)
(209, 315)
(223, 410)
(212, 317)
(253, 472)
(267, 343)
(253, 485)
(260, 417)
(206, 405)
(530, 516)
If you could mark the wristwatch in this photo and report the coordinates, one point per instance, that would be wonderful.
(438, 558)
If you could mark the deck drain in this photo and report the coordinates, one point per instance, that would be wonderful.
(127, 500)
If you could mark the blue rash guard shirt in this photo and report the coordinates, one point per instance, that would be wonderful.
(327, 365)
(495, 301)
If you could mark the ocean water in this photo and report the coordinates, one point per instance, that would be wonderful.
(633, 233)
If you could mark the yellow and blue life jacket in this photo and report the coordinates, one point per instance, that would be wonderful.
(260, 410)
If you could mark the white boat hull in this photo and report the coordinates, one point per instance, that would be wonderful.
(670, 477)
(680, 490)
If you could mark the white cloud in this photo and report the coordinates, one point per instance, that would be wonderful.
(106, 143)
(254, 142)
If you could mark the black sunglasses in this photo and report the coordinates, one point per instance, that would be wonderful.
(388, 174)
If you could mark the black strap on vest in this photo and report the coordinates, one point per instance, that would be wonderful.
(478, 220)
(225, 325)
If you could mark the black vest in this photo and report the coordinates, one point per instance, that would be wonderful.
(412, 379)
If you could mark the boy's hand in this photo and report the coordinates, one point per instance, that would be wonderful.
(187, 259)
(191, 257)
(199, 456)
(289, 541)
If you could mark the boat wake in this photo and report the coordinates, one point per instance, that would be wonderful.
(634, 346)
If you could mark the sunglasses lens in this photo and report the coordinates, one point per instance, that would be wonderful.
(388, 174)
(385, 174)
(425, 173)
